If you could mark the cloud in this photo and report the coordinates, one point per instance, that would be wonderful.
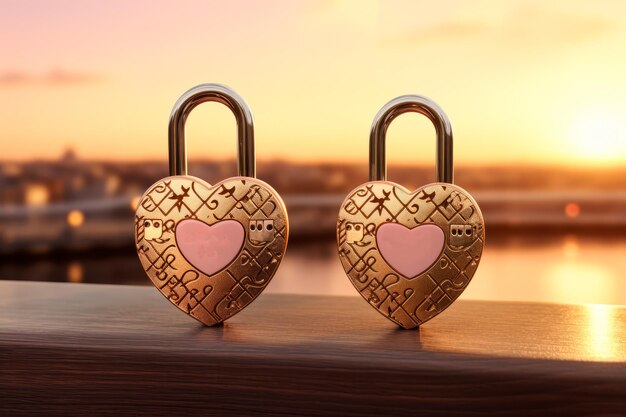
(51, 78)
(519, 26)
(450, 30)
(560, 27)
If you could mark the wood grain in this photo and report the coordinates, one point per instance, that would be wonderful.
(78, 349)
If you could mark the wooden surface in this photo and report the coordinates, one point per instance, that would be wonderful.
(121, 350)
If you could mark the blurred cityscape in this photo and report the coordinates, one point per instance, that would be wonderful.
(72, 220)
(70, 204)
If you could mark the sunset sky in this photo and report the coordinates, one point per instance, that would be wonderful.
(522, 81)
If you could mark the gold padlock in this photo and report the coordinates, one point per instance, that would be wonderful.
(410, 254)
(211, 249)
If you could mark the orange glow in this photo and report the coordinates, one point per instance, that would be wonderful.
(572, 210)
(570, 247)
(134, 202)
(75, 218)
(37, 195)
(75, 272)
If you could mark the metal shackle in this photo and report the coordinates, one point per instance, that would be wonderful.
(405, 104)
(246, 165)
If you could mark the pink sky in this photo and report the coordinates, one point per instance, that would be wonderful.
(522, 81)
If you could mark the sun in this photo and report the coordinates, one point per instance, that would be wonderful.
(598, 137)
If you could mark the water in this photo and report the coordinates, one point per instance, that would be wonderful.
(562, 269)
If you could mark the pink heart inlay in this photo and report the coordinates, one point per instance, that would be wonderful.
(410, 251)
(209, 248)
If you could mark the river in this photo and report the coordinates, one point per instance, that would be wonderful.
(562, 269)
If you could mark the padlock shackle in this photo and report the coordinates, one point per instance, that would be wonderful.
(246, 165)
(417, 104)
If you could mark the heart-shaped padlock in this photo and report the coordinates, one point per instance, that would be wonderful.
(211, 249)
(410, 254)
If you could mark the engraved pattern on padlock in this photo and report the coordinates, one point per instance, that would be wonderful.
(418, 250)
(200, 244)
